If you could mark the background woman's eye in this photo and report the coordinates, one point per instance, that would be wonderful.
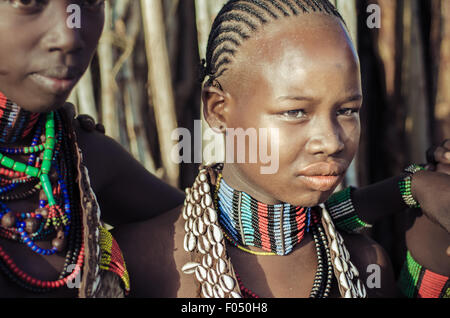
(295, 114)
(93, 3)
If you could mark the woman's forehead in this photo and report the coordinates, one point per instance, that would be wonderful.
(297, 48)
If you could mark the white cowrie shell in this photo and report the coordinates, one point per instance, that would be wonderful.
(212, 276)
(190, 223)
(184, 214)
(354, 292)
(338, 264)
(215, 233)
(344, 264)
(349, 275)
(227, 283)
(335, 248)
(207, 261)
(207, 200)
(343, 281)
(217, 251)
(235, 295)
(221, 266)
(196, 196)
(189, 268)
(326, 216)
(195, 228)
(186, 227)
(340, 239)
(332, 231)
(201, 247)
(207, 291)
(218, 292)
(361, 289)
(200, 273)
(206, 243)
(348, 294)
(198, 211)
(189, 208)
(192, 242)
(185, 242)
(354, 269)
(202, 177)
(206, 188)
(201, 226)
(212, 215)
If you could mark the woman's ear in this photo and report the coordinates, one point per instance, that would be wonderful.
(215, 108)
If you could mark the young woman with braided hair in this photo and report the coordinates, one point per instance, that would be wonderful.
(289, 65)
(54, 175)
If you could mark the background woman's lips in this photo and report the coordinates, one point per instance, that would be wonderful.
(321, 183)
(54, 85)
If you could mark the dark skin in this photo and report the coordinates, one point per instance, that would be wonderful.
(36, 40)
(284, 60)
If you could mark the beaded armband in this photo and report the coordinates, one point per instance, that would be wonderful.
(342, 211)
(405, 186)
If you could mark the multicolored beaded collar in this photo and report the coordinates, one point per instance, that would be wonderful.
(276, 229)
(15, 123)
(417, 282)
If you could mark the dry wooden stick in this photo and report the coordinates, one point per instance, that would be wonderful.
(160, 82)
(85, 94)
(139, 146)
(108, 109)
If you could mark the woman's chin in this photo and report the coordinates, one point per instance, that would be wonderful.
(311, 199)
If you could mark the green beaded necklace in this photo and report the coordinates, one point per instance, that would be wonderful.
(42, 173)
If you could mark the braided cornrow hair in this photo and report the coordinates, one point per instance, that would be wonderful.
(238, 19)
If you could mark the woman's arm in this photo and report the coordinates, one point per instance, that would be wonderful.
(429, 188)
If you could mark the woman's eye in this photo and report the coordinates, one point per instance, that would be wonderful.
(348, 111)
(295, 114)
(28, 4)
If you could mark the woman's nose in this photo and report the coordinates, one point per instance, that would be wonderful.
(325, 138)
(63, 35)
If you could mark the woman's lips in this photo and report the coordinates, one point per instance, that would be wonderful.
(54, 85)
(322, 176)
(321, 183)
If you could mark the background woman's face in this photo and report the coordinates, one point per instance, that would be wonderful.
(41, 57)
(301, 76)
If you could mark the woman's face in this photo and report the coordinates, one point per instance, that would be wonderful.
(43, 53)
(300, 76)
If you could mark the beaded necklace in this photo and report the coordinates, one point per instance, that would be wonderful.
(15, 122)
(276, 229)
(250, 222)
(49, 171)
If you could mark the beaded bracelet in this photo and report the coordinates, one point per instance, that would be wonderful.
(405, 186)
(342, 211)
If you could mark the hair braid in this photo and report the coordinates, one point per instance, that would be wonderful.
(239, 19)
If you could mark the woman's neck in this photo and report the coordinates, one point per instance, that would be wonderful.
(239, 182)
(16, 124)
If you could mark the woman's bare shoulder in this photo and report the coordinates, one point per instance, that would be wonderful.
(374, 265)
(154, 254)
